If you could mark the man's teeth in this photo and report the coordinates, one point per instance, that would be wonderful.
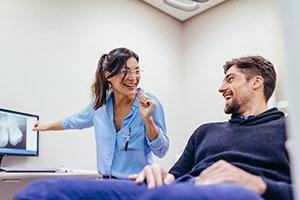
(227, 97)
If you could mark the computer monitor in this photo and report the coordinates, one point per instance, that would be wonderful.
(16, 134)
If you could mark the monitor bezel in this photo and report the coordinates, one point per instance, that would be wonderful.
(21, 154)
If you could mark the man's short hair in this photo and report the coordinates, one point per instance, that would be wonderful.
(255, 66)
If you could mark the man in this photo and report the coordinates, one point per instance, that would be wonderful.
(244, 158)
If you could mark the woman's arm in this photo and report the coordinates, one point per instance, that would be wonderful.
(44, 126)
(80, 120)
(146, 106)
(154, 119)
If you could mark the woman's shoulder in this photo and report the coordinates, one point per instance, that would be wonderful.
(151, 95)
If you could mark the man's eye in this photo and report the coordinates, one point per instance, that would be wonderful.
(230, 79)
(137, 71)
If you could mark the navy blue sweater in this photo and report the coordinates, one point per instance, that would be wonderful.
(256, 145)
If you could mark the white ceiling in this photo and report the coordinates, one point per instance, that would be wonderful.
(179, 14)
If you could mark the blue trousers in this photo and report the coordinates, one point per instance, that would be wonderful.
(95, 189)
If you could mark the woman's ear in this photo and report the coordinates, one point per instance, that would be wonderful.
(106, 74)
(258, 82)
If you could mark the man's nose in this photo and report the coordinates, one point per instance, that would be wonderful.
(223, 87)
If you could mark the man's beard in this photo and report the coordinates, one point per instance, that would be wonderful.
(232, 108)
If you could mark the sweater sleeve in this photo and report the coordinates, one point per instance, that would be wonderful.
(186, 161)
(277, 190)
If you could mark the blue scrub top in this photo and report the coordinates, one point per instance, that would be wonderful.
(112, 159)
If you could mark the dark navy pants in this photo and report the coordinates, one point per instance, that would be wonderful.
(94, 189)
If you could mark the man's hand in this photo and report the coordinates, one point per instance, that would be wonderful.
(224, 172)
(154, 175)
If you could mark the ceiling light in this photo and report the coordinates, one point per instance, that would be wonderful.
(201, 1)
(186, 7)
(182, 6)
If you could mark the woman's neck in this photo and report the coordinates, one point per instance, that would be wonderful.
(122, 100)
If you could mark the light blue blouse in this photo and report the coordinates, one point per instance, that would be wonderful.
(112, 159)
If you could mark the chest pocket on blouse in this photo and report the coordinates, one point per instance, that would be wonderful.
(136, 141)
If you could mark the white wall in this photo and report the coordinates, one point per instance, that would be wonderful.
(49, 52)
(48, 55)
(232, 29)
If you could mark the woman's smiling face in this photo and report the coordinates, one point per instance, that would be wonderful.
(128, 86)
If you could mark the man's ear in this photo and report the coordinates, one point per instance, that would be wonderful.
(258, 82)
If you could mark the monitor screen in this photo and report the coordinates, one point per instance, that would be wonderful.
(16, 135)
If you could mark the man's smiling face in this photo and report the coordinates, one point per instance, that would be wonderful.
(236, 90)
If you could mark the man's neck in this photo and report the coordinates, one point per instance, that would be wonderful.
(254, 110)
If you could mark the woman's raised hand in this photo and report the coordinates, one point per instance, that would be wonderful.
(147, 105)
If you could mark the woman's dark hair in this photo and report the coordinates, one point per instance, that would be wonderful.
(112, 62)
(256, 66)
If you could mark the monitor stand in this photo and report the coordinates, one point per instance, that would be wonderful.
(1, 157)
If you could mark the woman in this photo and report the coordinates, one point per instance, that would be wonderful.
(129, 124)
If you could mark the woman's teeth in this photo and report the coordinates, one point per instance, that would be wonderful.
(129, 85)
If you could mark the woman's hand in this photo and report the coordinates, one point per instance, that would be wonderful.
(40, 126)
(146, 106)
(44, 126)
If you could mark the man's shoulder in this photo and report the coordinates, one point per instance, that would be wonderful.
(206, 129)
(211, 125)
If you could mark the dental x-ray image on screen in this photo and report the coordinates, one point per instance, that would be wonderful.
(16, 134)
(12, 131)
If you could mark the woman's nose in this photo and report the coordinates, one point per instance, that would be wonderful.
(131, 75)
